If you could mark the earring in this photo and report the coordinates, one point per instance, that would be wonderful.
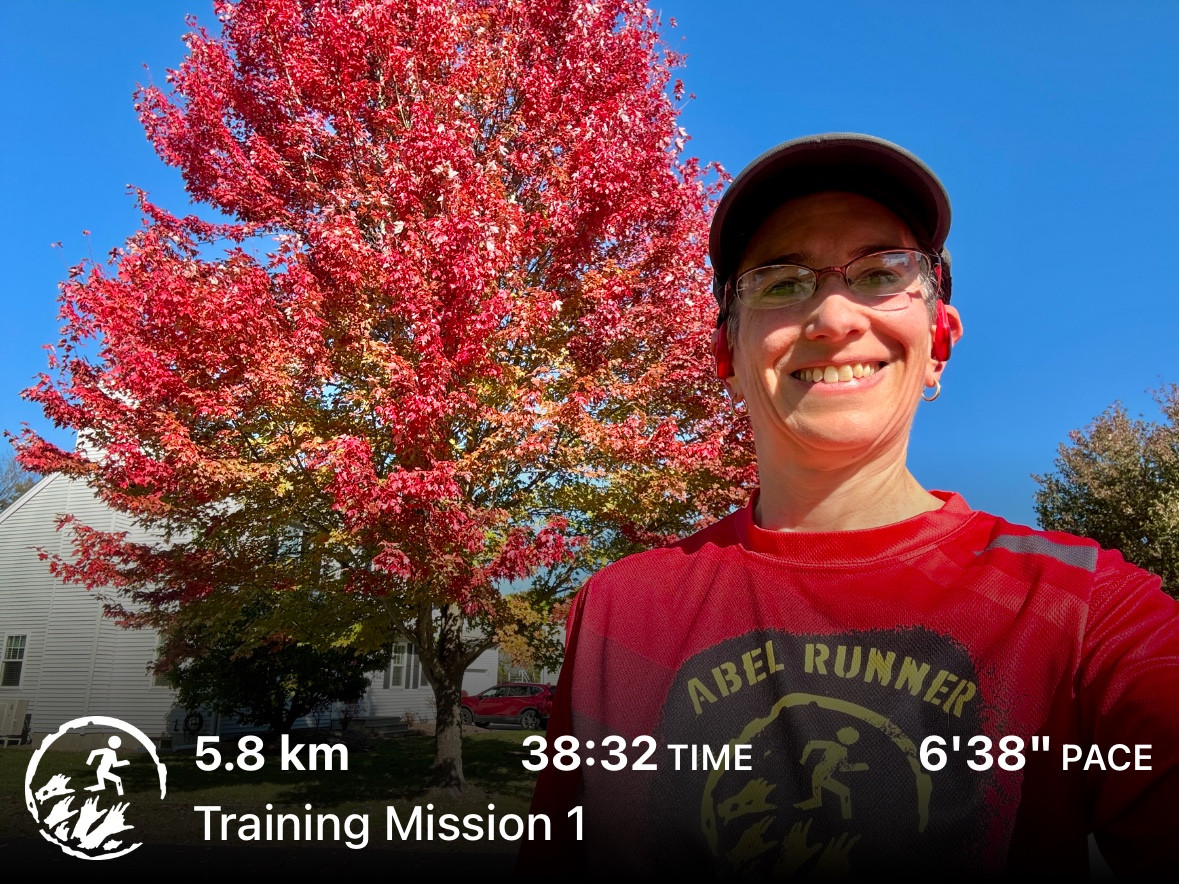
(937, 391)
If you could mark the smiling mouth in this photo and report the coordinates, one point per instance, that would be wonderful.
(837, 374)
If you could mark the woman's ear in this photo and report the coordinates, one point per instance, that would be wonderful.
(723, 355)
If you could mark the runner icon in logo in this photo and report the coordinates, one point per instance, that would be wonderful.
(834, 759)
(93, 830)
(108, 759)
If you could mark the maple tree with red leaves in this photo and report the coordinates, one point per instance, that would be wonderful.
(476, 354)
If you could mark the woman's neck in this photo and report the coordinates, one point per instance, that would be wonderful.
(855, 496)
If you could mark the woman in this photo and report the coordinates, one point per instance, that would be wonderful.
(853, 675)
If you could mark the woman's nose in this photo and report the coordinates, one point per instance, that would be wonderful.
(835, 313)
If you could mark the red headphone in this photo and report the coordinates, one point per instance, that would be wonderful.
(721, 352)
(942, 342)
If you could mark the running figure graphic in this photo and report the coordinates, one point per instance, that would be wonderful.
(108, 759)
(834, 759)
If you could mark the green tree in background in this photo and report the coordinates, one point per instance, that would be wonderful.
(14, 481)
(1117, 482)
(228, 665)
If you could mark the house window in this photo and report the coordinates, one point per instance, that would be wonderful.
(14, 661)
(158, 680)
(396, 669)
(413, 668)
(405, 667)
(289, 544)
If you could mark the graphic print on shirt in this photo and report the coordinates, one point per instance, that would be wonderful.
(835, 723)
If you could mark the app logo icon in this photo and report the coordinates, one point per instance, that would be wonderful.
(85, 815)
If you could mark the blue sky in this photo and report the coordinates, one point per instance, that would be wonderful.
(1052, 125)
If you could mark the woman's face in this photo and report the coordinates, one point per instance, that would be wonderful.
(778, 350)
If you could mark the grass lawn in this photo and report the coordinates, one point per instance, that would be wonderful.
(391, 772)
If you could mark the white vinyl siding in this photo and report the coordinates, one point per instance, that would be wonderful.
(75, 662)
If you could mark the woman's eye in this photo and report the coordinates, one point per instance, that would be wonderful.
(786, 285)
(775, 286)
(783, 289)
(880, 278)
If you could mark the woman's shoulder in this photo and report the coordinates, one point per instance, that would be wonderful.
(1065, 548)
(1024, 540)
(663, 566)
(1080, 567)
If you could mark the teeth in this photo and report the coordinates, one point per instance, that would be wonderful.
(836, 374)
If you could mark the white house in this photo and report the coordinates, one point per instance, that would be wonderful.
(61, 659)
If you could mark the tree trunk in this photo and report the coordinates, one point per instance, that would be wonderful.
(294, 713)
(448, 684)
(448, 736)
(278, 711)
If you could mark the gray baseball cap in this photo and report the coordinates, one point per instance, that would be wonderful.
(834, 161)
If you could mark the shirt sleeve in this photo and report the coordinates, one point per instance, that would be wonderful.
(1129, 695)
(556, 791)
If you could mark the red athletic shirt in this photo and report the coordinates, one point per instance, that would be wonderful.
(831, 657)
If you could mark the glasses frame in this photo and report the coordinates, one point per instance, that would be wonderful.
(933, 262)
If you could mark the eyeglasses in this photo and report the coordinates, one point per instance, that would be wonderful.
(883, 280)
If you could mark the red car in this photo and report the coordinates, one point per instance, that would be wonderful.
(526, 704)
